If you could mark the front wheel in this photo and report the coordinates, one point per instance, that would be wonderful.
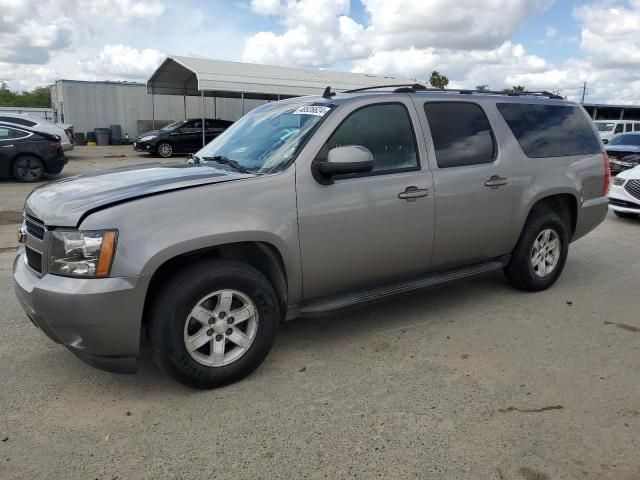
(164, 149)
(541, 252)
(214, 323)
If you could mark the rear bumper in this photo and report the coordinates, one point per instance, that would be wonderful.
(97, 319)
(591, 214)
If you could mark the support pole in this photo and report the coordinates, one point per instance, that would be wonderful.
(153, 114)
(215, 106)
(203, 137)
(184, 99)
(242, 96)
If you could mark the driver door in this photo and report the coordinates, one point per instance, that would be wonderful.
(364, 230)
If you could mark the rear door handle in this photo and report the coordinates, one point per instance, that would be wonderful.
(496, 181)
(411, 194)
(8, 146)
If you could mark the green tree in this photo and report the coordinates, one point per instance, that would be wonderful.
(515, 89)
(38, 97)
(437, 80)
(482, 88)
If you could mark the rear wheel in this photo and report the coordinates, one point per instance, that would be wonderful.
(164, 149)
(214, 323)
(541, 252)
(626, 214)
(28, 169)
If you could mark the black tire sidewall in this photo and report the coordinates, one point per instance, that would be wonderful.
(14, 169)
(183, 292)
(520, 271)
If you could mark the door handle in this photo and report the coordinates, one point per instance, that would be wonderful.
(411, 194)
(496, 181)
(7, 146)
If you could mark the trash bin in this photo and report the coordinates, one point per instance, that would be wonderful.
(115, 134)
(102, 136)
(78, 138)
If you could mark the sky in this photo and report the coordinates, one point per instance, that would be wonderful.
(541, 44)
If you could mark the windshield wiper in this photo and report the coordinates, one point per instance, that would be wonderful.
(227, 161)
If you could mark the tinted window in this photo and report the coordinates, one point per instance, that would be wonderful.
(605, 127)
(18, 121)
(619, 128)
(550, 130)
(10, 133)
(636, 127)
(629, 127)
(461, 134)
(193, 126)
(385, 130)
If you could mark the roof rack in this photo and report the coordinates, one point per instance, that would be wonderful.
(417, 87)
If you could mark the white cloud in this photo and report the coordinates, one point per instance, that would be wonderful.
(266, 7)
(120, 61)
(551, 32)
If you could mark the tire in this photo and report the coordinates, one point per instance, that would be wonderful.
(625, 214)
(522, 271)
(173, 326)
(164, 149)
(27, 169)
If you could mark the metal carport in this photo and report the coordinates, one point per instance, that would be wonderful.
(187, 76)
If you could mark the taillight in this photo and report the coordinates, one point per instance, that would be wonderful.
(53, 145)
(607, 175)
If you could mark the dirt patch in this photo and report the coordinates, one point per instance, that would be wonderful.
(8, 249)
(628, 328)
(10, 217)
(531, 474)
(532, 410)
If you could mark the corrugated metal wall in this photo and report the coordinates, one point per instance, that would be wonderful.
(90, 105)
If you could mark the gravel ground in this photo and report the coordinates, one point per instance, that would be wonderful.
(475, 380)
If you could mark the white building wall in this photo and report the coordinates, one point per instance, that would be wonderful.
(90, 105)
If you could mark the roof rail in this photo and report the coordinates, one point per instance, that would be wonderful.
(416, 87)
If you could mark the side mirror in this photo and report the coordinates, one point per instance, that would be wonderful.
(345, 160)
(605, 141)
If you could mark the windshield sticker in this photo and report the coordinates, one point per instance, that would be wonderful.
(316, 110)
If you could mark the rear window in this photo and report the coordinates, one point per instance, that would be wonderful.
(550, 130)
(18, 121)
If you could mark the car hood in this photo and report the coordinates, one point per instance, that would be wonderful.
(64, 203)
(623, 148)
(155, 133)
(631, 173)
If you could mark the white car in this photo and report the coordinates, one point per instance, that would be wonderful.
(65, 132)
(624, 196)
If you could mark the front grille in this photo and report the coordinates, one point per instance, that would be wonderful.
(34, 259)
(34, 227)
(633, 188)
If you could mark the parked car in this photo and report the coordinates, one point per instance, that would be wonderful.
(624, 198)
(624, 152)
(62, 130)
(27, 155)
(303, 207)
(608, 129)
(183, 136)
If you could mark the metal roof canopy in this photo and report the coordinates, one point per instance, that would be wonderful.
(217, 78)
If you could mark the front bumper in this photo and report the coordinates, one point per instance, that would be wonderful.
(99, 320)
(622, 201)
(139, 146)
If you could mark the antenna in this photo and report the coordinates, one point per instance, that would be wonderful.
(328, 93)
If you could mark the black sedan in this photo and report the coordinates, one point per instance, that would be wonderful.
(184, 136)
(624, 152)
(27, 154)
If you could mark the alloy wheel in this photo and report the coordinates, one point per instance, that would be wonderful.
(545, 252)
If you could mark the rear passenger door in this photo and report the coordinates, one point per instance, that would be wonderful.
(190, 137)
(473, 195)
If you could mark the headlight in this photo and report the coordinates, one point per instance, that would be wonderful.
(618, 181)
(147, 138)
(82, 253)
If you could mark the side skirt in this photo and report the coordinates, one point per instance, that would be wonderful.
(332, 303)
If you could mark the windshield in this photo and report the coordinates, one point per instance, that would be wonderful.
(605, 127)
(172, 126)
(626, 140)
(268, 138)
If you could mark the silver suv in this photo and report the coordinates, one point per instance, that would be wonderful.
(303, 207)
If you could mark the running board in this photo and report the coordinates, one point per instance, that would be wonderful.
(328, 304)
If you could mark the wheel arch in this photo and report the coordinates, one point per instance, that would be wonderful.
(262, 256)
(563, 202)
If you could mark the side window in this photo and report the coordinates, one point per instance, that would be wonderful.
(5, 133)
(10, 133)
(461, 134)
(636, 127)
(194, 126)
(545, 130)
(629, 127)
(385, 130)
(619, 127)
